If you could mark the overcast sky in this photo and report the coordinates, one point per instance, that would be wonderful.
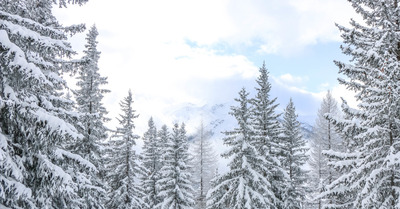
(176, 52)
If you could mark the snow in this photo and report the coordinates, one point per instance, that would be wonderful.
(10, 93)
(42, 41)
(3, 207)
(20, 59)
(32, 23)
(54, 169)
(61, 154)
(55, 123)
(35, 58)
(5, 158)
(19, 189)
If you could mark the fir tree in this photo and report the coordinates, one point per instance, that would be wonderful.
(324, 138)
(89, 105)
(374, 177)
(294, 158)
(244, 186)
(203, 163)
(343, 161)
(13, 192)
(175, 186)
(37, 170)
(124, 169)
(151, 161)
(163, 140)
(267, 131)
(92, 116)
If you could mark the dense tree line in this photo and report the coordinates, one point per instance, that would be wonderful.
(267, 156)
(56, 151)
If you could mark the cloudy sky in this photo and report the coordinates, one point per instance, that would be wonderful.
(177, 52)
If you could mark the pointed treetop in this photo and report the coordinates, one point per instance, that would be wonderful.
(262, 79)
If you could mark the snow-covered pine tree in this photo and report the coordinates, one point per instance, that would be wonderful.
(343, 161)
(204, 164)
(92, 116)
(267, 132)
(151, 161)
(70, 104)
(88, 99)
(163, 140)
(294, 158)
(216, 194)
(36, 168)
(175, 186)
(347, 127)
(324, 139)
(124, 169)
(374, 75)
(214, 182)
(245, 185)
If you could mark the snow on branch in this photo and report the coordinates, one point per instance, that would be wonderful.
(61, 154)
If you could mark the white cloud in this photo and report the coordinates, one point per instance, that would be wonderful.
(289, 78)
(290, 86)
(307, 102)
(324, 85)
(144, 45)
(277, 26)
(287, 26)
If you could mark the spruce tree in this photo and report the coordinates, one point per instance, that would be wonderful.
(37, 169)
(163, 140)
(343, 161)
(88, 99)
(267, 131)
(324, 139)
(175, 186)
(92, 116)
(374, 177)
(124, 169)
(13, 192)
(245, 185)
(294, 158)
(204, 164)
(151, 161)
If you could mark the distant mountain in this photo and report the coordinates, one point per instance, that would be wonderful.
(307, 130)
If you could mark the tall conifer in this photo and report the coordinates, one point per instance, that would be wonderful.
(204, 164)
(124, 169)
(175, 186)
(374, 177)
(152, 151)
(267, 131)
(37, 168)
(324, 139)
(92, 116)
(245, 185)
(294, 158)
